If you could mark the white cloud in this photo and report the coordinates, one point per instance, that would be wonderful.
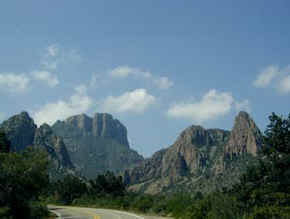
(78, 103)
(211, 106)
(50, 59)
(55, 55)
(163, 83)
(126, 71)
(284, 85)
(136, 101)
(266, 76)
(243, 106)
(46, 77)
(52, 50)
(14, 82)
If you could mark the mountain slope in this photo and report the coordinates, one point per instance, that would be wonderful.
(96, 144)
(198, 160)
(22, 132)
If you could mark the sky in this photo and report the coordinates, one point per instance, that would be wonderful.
(157, 66)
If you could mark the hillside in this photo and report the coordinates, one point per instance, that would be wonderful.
(200, 159)
(85, 145)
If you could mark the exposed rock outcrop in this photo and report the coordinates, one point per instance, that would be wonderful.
(196, 151)
(20, 130)
(245, 138)
(197, 159)
(54, 145)
(101, 125)
(92, 145)
(96, 144)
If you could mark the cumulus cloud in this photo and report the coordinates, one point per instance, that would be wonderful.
(243, 106)
(211, 106)
(126, 71)
(50, 79)
(14, 82)
(78, 103)
(136, 101)
(284, 85)
(266, 76)
(279, 77)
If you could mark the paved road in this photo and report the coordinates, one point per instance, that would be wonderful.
(91, 213)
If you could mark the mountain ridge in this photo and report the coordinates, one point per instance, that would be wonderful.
(80, 143)
(199, 157)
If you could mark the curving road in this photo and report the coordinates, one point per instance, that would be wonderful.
(64, 212)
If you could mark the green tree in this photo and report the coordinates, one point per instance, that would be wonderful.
(108, 184)
(268, 182)
(22, 178)
(70, 188)
(4, 143)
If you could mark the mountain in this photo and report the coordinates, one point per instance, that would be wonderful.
(245, 137)
(22, 133)
(96, 144)
(20, 130)
(88, 145)
(200, 159)
(54, 145)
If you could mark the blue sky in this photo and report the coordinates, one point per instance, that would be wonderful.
(157, 66)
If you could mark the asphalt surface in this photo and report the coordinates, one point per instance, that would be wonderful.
(64, 212)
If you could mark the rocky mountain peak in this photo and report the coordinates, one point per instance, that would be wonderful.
(245, 137)
(20, 130)
(82, 122)
(198, 136)
(96, 144)
(45, 129)
(104, 125)
(101, 125)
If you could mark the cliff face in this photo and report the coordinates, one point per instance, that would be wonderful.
(197, 151)
(245, 137)
(197, 159)
(20, 130)
(54, 145)
(101, 125)
(92, 145)
(96, 144)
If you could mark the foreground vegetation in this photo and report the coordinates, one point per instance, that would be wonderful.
(263, 191)
(22, 179)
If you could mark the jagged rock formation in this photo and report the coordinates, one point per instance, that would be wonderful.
(245, 137)
(20, 130)
(92, 145)
(196, 161)
(102, 125)
(96, 144)
(46, 139)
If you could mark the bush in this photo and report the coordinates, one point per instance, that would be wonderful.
(273, 212)
(4, 212)
(38, 210)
